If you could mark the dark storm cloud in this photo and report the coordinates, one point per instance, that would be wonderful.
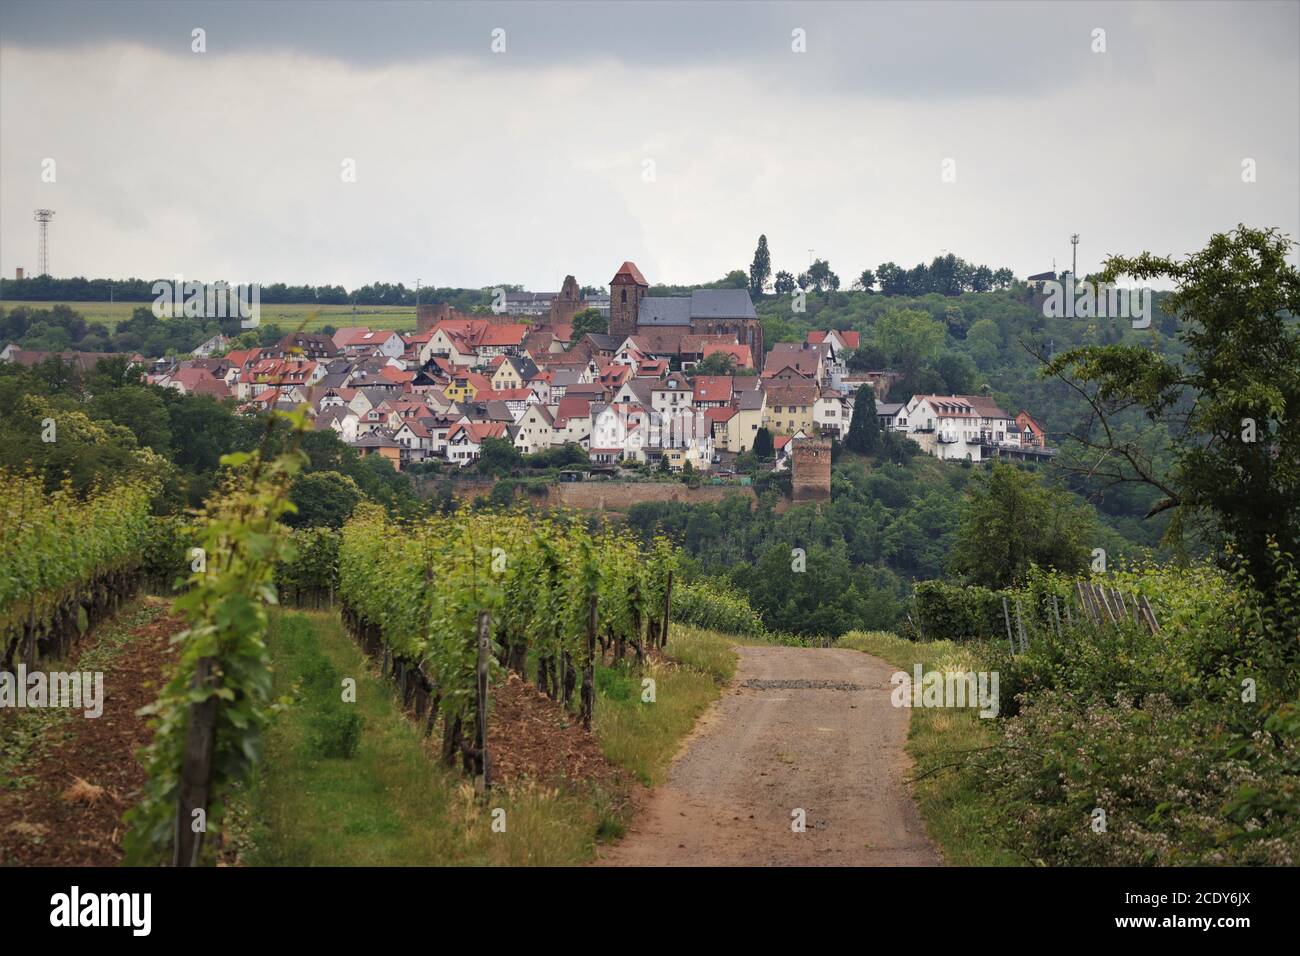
(904, 49)
(477, 168)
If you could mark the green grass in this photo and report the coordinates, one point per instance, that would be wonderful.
(392, 318)
(392, 804)
(644, 737)
(952, 804)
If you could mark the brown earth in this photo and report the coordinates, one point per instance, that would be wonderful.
(69, 810)
(801, 728)
(532, 737)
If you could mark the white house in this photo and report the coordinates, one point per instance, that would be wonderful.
(535, 430)
(955, 427)
(671, 395)
(831, 413)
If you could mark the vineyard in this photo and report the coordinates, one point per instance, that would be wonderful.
(65, 562)
(448, 602)
(444, 606)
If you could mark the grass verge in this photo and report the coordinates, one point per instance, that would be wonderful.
(953, 806)
(644, 736)
(392, 804)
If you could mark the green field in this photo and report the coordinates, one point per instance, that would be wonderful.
(394, 317)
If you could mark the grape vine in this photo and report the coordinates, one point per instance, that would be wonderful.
(412, 593)
(65, 561)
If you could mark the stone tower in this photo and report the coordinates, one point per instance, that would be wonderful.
(811, 470)
(626, 290)
(567, 304)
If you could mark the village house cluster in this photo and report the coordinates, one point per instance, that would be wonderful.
(632, 394)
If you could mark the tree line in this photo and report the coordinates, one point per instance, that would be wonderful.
(46, 288)
(945, 275)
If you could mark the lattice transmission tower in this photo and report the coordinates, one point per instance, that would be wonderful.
(43, 216)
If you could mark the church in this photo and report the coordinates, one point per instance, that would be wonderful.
(703, 312)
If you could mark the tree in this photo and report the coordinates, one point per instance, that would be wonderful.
(892, 279)
(864, 428)
(763, 443)
(1013, 521)
(139, 409)
(717, 363)
(589, 320)
(784, 283)
(869, 358)
(761, 268)
(866, 280)
(909, 338)
(984, 343)
(498, 456)
(323, 499)
(1230, 401)
(958, 373)
(820, 277)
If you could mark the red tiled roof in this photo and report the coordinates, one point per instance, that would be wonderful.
(571, 408)
(851, 340)
(499, 335)
(242, 357)
(791, 393)
(713, 388)
(477, 431)
(510, 394)
(628, 270)
(741, 353)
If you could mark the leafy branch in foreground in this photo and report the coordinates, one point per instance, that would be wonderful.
(211, 714)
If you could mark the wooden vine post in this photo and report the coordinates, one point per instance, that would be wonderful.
(480, 723)
(1006, 616)
(196, 770)
(589, 672)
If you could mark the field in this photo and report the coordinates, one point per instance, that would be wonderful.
(396, 318)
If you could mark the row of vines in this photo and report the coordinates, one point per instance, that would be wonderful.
(551, 593)
(65, 562)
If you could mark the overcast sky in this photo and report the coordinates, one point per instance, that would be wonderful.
(475, 167)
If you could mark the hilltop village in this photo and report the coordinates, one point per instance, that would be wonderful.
(680, 383)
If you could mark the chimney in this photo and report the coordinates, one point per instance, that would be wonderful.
(18, 273)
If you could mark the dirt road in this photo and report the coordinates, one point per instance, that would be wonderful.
(800, 729)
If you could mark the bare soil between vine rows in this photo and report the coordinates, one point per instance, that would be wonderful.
(66, 807)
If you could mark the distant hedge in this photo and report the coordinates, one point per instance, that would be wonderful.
(951, 612)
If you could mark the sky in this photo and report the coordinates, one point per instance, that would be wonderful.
(669, 134)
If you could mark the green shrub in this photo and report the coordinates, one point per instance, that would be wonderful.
(320, 676)
(618, 682)
(167, 553)
(716, 607)
(950, 612)
(1161, 774)
(313, 566)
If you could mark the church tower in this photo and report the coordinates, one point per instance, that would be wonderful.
(626, 290)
